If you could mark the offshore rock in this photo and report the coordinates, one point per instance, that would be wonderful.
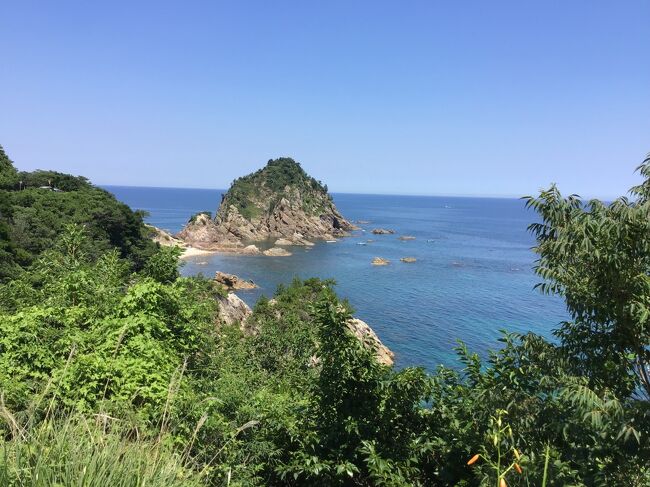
(380, 261)
(233, 282)
(383, 231)
(279, 201)
(277, 252)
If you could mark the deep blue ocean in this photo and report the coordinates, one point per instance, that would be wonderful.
(473, 275)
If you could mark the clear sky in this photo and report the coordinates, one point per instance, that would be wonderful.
(431, 97)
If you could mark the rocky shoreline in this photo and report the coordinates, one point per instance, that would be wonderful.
(279, 202)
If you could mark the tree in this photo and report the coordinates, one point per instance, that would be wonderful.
(597, 256)
(8, 174)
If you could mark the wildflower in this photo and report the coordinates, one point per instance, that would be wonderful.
(473, 459)
(517, 468)
(503, 483)
(516, 452)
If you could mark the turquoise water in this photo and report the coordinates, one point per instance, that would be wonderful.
(473, 274)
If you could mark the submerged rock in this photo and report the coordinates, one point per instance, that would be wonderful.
(408, 259)
(383, 231)
(380, 261)
(407, 237)
(231, 281)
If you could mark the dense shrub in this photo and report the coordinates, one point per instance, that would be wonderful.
(139, 364)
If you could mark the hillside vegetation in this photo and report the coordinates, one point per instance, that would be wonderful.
(107, 373)
(32, 216)
(272, 183)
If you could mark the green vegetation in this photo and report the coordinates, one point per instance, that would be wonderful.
(115, 377)
(31, 218)
(270, 183)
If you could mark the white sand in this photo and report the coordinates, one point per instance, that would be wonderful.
(193, 252)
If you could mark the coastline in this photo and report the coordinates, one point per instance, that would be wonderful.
(193, 252)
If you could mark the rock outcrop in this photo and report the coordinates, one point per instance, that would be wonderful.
(277, 252)
(279, 201)
(408, 260)
(233, 282)
(164, 238)
(383, 231)
(380, 261)
(407, 237)
(233, 310)
(369, 338)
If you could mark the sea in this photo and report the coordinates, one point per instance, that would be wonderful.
(472, 280)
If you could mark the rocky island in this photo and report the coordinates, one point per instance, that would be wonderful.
(280, 201)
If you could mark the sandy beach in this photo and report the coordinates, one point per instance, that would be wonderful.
(193, 252)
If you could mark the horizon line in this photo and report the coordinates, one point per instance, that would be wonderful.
(440, 195)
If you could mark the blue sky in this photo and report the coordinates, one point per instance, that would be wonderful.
(431, 97)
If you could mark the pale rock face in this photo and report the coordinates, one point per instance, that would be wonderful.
(277, 252)
(380, 261)
(233, 310)
(285, 242)
(251, 250)
(369, 338)
(165, 238)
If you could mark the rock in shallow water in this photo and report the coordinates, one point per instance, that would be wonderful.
(277, 252)
(231, 281)
(380, 261)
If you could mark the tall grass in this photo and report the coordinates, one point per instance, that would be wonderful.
(73, 451)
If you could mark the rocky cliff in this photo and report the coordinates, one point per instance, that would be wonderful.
(278, 201)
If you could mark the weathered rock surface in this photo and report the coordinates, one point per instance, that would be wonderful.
(164, 238)
(233, 282)
(380, 261)
(369, 338)
(277, 252)
(233, 310)
(284, 242)
(383, 231)
(408, 260)
(361, 330)
(295, 240)
(202, 232)
(251, 250)
(278, 201)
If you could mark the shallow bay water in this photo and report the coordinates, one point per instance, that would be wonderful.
(473, 275)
